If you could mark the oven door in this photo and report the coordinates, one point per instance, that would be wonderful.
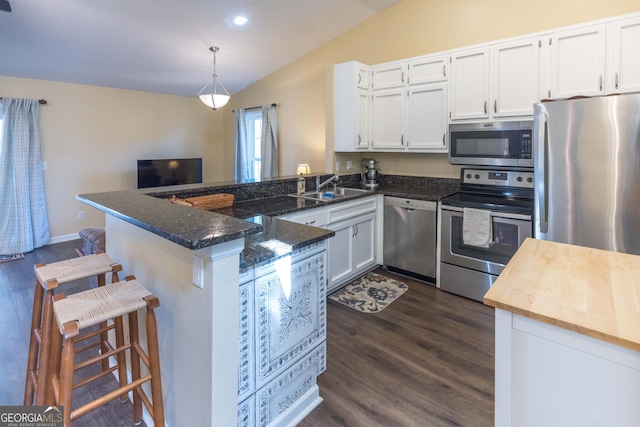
(509, 231)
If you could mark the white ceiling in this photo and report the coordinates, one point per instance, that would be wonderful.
(163, 45)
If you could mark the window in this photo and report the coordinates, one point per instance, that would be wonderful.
(254, 137)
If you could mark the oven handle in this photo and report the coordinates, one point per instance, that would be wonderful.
(493, 214)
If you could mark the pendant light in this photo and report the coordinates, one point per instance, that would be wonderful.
(214, 99)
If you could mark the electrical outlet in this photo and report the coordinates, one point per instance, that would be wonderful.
(349, 165)
(80, 215)
(338, 166)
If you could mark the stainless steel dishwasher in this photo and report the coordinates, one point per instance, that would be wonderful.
(410, 237)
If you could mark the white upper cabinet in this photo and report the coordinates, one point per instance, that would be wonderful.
(387, 76)
(351, 106)
(470, 84)
(514, 71)
(623, 49)
(427, 117)
(409, 105)
(577, 62)
(431, 69)
(388, 118)
(496, 82)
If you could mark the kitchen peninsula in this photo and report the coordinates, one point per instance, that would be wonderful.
(567, 337)
(207, 269)
(218, 276)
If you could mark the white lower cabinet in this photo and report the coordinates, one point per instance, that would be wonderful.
(351, 250)
(282, 337)
(356, 247)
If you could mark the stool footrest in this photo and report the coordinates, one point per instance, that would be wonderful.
(108, 397)
(100, 374)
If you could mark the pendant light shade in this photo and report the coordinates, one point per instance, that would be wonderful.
(214, 97)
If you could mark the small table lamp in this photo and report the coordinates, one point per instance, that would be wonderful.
(303, 168)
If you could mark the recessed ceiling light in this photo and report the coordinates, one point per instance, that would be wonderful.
(240, 20)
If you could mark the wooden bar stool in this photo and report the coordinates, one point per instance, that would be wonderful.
(48, 278)
(76, 312)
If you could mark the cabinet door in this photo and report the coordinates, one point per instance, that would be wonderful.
(427, 70)
(388, 75)
(364, 243)
(624, 64)
(339, 254)
(427, 117)
(470, 84)
(351, 106)
(387, 118)
(515, 78)
(578, 62)
(362, 118)
(363, 72)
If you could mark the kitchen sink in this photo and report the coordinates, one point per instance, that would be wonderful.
(338, 193)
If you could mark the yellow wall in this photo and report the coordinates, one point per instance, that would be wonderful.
(411, 28)
(91, 138)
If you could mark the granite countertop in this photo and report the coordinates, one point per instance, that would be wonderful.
(590, 291)
(251, 217)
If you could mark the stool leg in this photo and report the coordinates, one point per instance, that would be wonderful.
(135, 366)
(43, 390)
(66, 370)
(121, 357)
(32, 361)
(154, 362)
(104, 336)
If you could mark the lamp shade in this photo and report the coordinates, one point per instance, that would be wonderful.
(215, 100)
(303, 168)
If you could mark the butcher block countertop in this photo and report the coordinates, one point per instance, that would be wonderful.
(589, 291)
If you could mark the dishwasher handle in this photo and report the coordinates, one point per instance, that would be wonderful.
(411, 205)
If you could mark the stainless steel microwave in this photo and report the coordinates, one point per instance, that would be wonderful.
(491, 144)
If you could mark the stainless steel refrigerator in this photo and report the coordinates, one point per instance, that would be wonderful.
(587, 172)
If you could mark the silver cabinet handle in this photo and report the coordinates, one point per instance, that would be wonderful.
(310, 222)
(495, 105)
(616, 81)
(444, 70)
(359, 78)
(444, 136)
(359, 139)
(402, 140)
(485, 107)
(600, 82)
(402, 77)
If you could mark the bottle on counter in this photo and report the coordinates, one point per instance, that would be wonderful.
(301, 185)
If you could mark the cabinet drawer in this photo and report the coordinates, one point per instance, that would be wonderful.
(347, 210)
(314, 217)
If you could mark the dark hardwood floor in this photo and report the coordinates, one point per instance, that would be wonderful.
(426, 360)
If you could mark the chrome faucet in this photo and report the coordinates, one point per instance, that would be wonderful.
(333, 180)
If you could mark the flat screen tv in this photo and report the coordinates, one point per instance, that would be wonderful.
(163, 172)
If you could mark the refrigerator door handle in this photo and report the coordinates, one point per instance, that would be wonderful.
(542, 137)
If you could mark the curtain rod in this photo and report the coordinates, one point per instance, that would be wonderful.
(259, 106)
(41, 101)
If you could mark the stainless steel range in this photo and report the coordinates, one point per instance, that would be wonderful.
(482, 227)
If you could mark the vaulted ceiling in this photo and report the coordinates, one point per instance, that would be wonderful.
(163, 45)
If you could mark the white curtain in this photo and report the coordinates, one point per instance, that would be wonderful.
(269, 142)
(242, 171)
(23, 213)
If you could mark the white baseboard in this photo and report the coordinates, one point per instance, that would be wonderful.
(65, 238)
